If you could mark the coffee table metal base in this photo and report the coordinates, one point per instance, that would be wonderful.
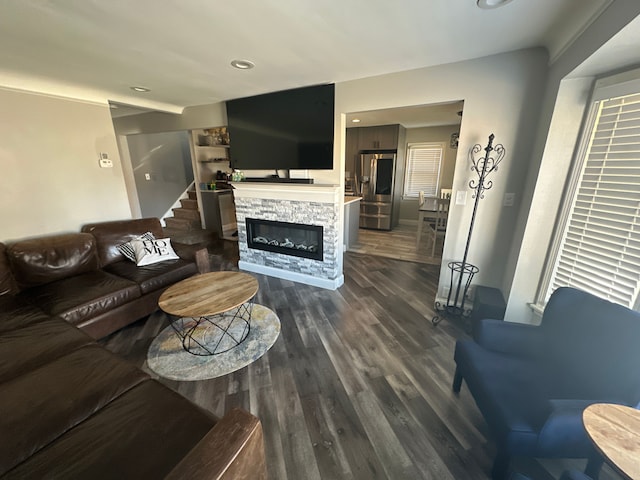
(214, 334)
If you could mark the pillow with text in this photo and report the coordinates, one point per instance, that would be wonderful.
(153, 251)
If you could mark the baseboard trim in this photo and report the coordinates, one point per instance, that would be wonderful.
(329, 284)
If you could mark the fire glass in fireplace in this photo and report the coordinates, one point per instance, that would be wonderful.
(295, 239)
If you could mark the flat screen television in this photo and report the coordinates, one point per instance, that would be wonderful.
(286, 130)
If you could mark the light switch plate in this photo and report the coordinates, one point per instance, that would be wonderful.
(147, 176)
(461, 198)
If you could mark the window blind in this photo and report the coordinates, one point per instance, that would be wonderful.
(423, 169)
(600, 248)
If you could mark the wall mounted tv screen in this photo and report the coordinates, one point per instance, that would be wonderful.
(291, 129)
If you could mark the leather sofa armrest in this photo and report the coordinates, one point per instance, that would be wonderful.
(233, 449)
(508, 337)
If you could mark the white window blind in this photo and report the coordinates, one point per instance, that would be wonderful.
(423, 169)
(600, 248)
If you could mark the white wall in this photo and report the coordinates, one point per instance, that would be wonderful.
(192, 118)
(563, 110)
(201, 116)
(502, 95)
(50, 180)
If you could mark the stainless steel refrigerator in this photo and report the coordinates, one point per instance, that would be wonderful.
(376, 182)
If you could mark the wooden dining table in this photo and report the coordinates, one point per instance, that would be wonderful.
(430, 205)
(615, 432)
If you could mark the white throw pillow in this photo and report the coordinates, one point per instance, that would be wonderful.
(153, 251)
(126, 248)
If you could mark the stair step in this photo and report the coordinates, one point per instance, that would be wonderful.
(186, 213)
(183, 223)
(189, 203)
(192, 194)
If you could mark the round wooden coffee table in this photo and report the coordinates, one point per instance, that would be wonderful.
(211, 313)
(615, 431)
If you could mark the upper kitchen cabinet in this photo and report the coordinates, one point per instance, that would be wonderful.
(352, 151)
(384, 137)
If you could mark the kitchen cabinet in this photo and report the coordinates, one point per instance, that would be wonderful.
(352, 152)
(351, 221)
(384, 137)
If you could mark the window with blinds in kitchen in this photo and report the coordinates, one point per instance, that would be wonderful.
(598, 246)
(423, 169)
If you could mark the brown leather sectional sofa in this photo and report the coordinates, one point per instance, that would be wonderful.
(70, 408)
(84, 279)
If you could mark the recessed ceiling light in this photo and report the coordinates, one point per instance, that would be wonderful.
(242, 64)
(140, 89)
(488, 4)
(356, 120)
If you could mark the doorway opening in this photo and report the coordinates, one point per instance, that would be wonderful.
(430, 169)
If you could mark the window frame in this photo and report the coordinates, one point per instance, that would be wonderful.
(607, 88)
(409, 195)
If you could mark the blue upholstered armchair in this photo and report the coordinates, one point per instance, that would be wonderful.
(532, 383)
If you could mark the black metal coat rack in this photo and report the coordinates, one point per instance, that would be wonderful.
(462, 273)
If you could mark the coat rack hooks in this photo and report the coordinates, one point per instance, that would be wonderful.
(462, 273)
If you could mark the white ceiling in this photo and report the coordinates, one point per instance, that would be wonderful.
(411, 117)
(181, 49)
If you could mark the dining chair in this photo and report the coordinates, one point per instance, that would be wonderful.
(420, 216)
(446, 193)
(439, 227)
(426, 211)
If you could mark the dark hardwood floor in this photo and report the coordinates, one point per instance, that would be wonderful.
(358, 386)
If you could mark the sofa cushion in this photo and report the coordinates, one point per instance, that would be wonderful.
(7, 282)
(83, 296)
(17, 313)
(156, 276)
(108, 445)
(109, 235)
(47, 402)
(27, 348)
(43, 260)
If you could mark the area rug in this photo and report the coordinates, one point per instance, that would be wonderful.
(167, 358)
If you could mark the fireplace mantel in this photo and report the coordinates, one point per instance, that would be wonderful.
(287, 191)
(311, 204)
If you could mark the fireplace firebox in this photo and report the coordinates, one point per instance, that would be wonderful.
(296, 239)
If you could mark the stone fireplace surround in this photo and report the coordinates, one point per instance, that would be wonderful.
(298, 203)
